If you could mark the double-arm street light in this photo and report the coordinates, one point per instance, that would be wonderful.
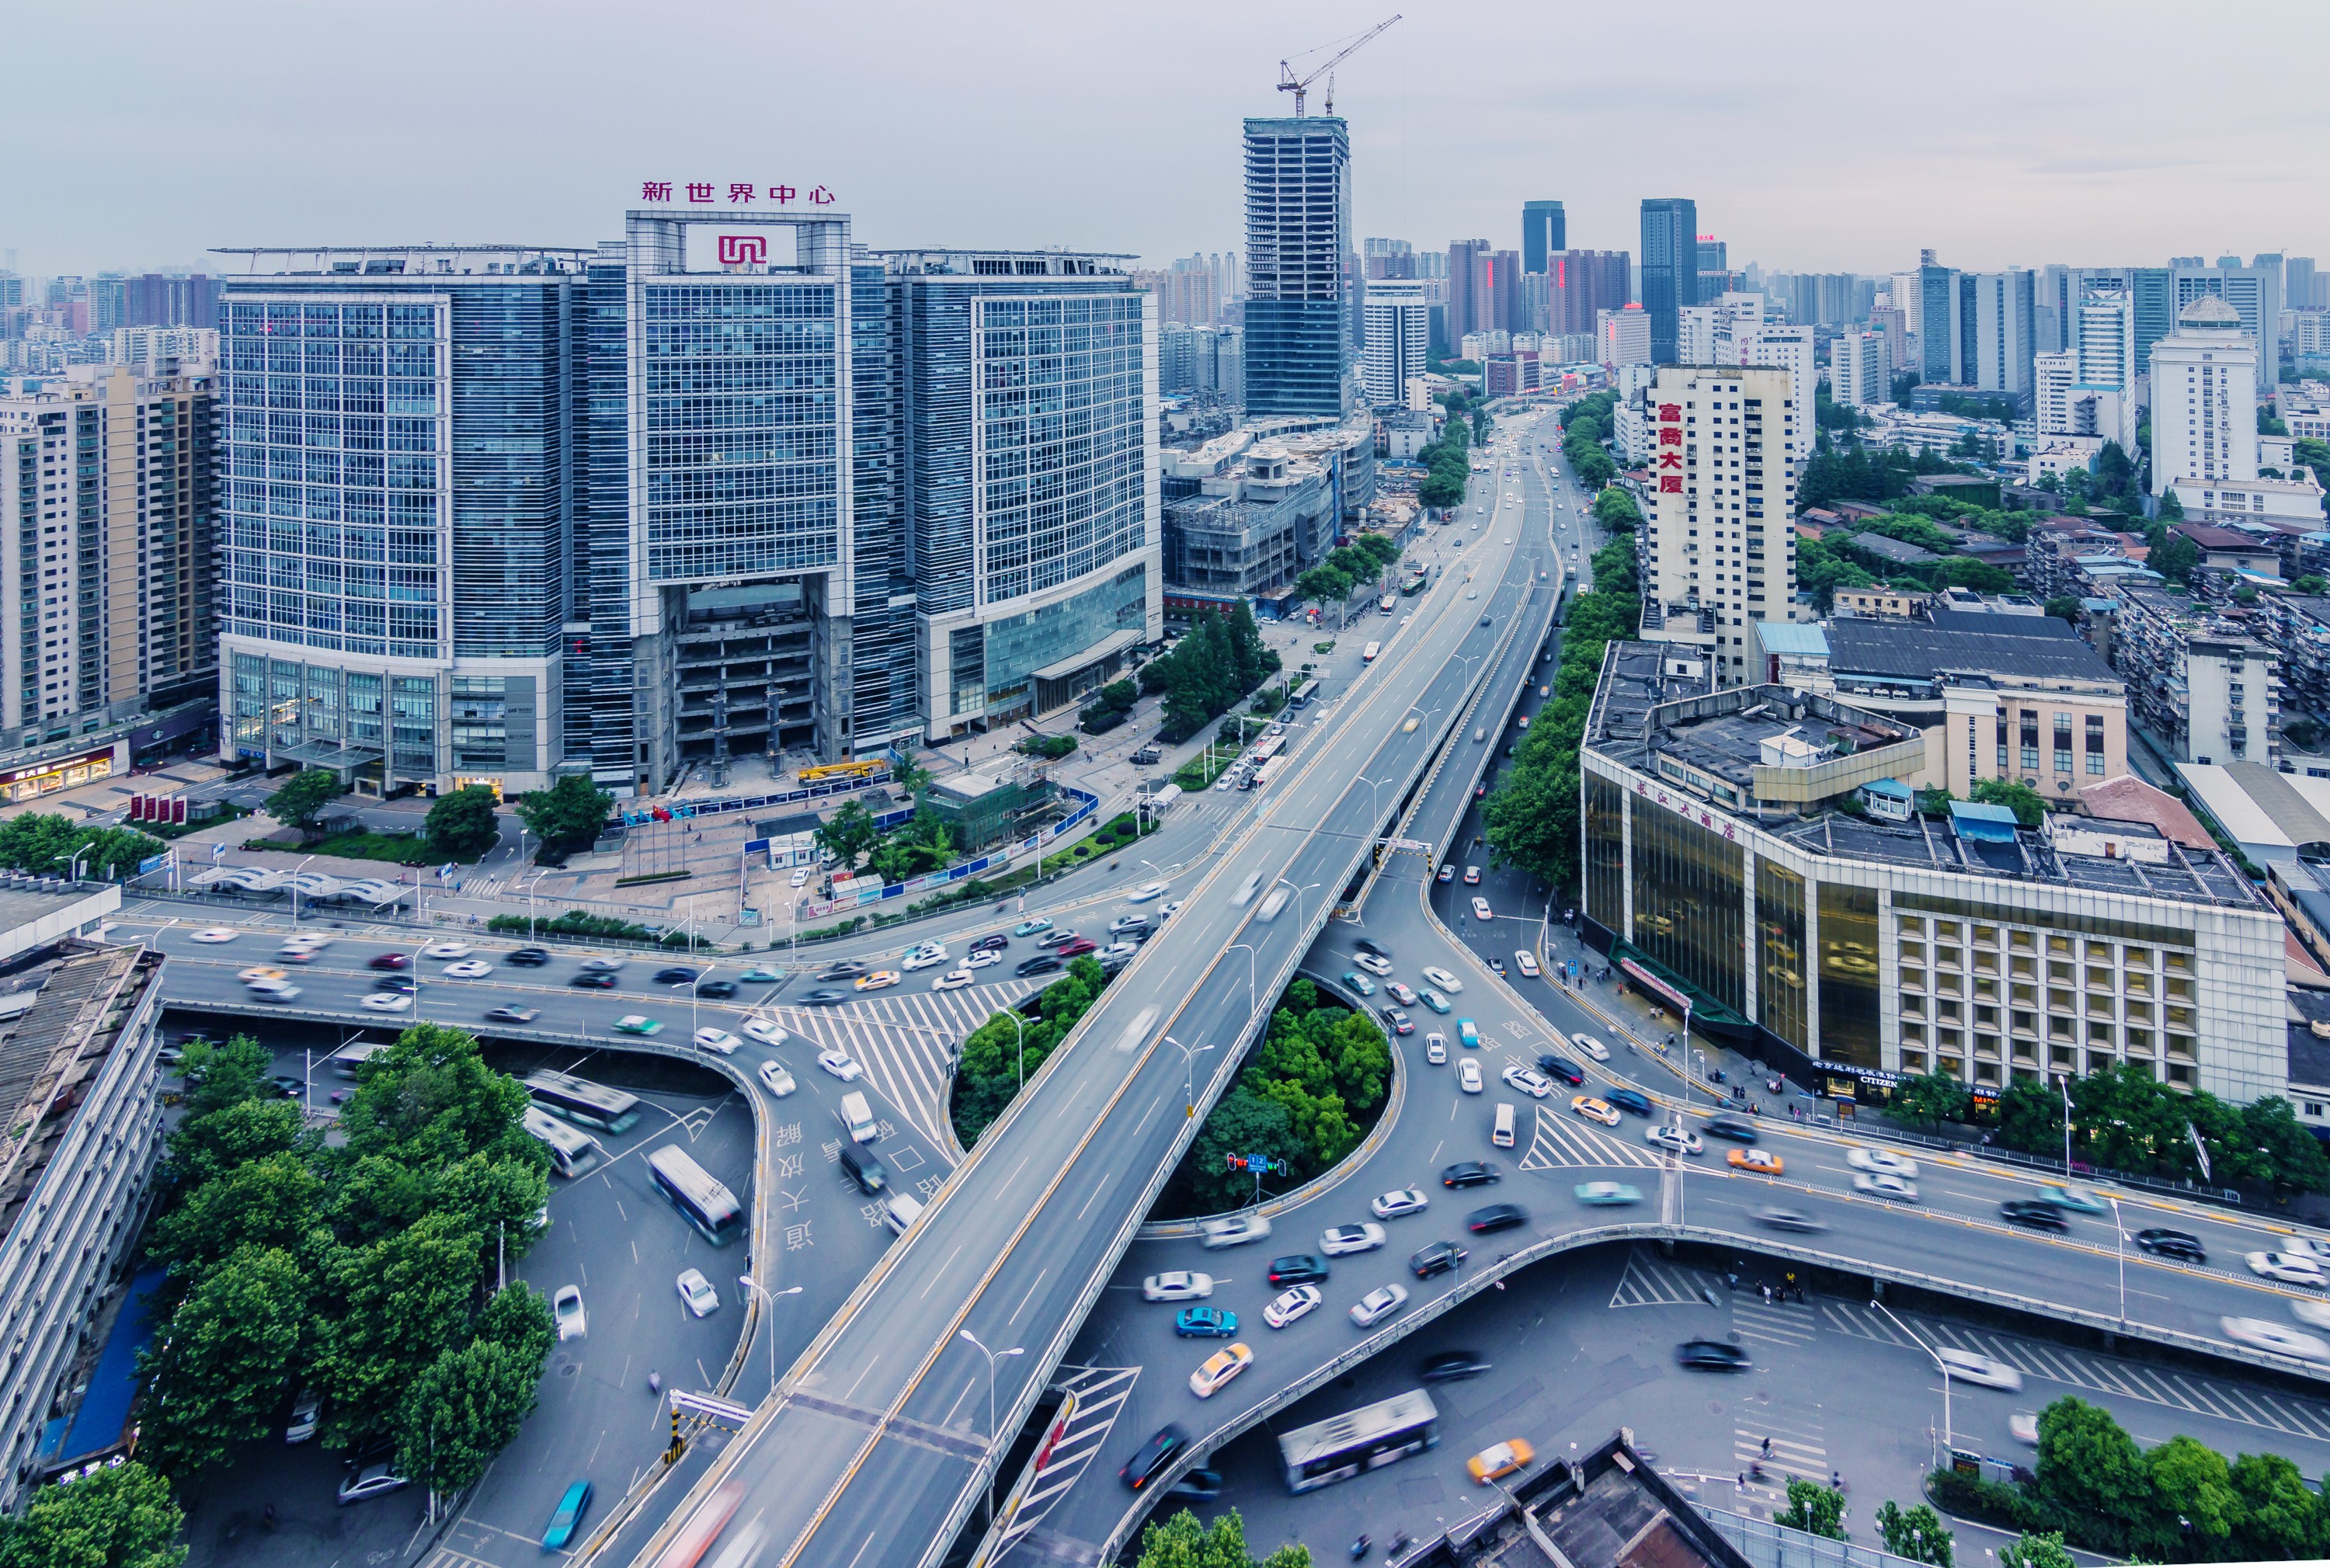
(770, 1297)
(995, 1457)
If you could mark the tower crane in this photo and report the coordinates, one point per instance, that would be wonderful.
(1300, 85)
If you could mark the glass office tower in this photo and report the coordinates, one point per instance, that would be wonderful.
(1298, 226)
(1670, 267)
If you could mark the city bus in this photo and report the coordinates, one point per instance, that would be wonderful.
(1304, 693)
(347, 1061)
(1342, 1446)
(571, 1151)
(578, 1099)
(701, 1201)
(1388, 604)
(1263, 750)
(1368, 654)
(1270, 771)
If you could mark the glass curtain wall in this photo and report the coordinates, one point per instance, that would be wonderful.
(1850, 1030)
(1780, 923)
(1689, 903)
(1606, 853)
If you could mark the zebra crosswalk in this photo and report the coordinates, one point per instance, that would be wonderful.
(907, 1040)
(1650, 1280)
(1790, 1446)
(1775, 1322)
(1096, 1396)
(2268, 1409)
(1559, 1138)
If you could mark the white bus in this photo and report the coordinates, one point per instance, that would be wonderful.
(345, 1063)
(701, 1201)
(1304, 693)
(1270, 771)
(571, 1151)
(1342, 1446)
(578, 1099)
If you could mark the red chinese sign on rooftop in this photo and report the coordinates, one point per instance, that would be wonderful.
(737, 194)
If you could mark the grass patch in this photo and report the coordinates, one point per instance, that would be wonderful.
(1200, 771)
(166, 831)
(652, 876)
(363, 844)
(577, 922)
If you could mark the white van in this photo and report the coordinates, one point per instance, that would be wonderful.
(1502, 1135)
(858, 1117)
(900, 1211)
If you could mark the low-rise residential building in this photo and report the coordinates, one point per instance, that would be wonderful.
(1719, 872)
(1898, 603)
(2294, 503)
(2203, 688)
(2231, 550)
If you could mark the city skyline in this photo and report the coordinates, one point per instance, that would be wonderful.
(1447, 138)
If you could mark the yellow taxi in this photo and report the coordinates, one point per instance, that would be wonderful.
(258, 972)
(879, 980)
(1756, 1161)
(1501, 1459)
(1594, 1110)
(1219, 1369)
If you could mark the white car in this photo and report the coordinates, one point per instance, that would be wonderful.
(767, 1031)
(718, 1040)
(1884, 1162)
(1526, 962)
(1145, 891)
(1441, 979)
(1967, 1366)
(1481, 910)
(1379, 1304)
(1342, 1239)
(838, 1064)
(1667, 1136)
(800, 876)
(1405, 1201)
(1880, 1185)
(1230, 1232)
(1591, 1046)
(1180, 1285)
(1292, 1304)
(1529, 1081)
(777, 1078)
(1468, 1075)
(602, 966)
(982, 958)
(1166, 911)
(566, 1311)
(386, 1001)
(696, 1290)
(1435, 1049)
(446, 951)
(1373, 964)
(216, 934)
(2309, 1310)
(925, 956)
(2269, 1336)
(468, 969)
(953, 980)
(2286, 1267)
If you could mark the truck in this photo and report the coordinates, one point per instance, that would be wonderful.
(858, 1117)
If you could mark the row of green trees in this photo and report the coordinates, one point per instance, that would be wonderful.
(2123, 1119)
(1002, 1054)
(45, 845)
(363, 1269)
(567, 817)
(1585, 425)
(922, 843)
(1851, 472)
(1306, 1099)
(2177, 1502)
(1530, 818)
(1448, 466)
(1212, 667)
(1364, 559)
(1183, 1542)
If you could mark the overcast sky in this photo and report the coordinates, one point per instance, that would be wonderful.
(1814, 134)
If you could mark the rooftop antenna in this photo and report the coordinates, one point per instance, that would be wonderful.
(1299, 86)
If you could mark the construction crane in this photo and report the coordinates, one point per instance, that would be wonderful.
(1289, 82)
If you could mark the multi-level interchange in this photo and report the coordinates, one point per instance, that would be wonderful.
(1814, 787)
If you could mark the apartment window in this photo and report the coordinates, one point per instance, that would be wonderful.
(2001, 741)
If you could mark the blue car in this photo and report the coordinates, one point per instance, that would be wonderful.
(1204, 1323)
(566, 1515)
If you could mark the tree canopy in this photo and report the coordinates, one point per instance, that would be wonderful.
(43, 845)
(1212, 667)
(461, 826)
(568, 817)
(300, 800)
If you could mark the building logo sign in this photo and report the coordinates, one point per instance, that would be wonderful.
(743, 250)
(1670, 435)
(707, 194)
(1689, 812)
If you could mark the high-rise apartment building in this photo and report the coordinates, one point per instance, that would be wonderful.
(1399, 340)
(1670, 267)
(2302, 288)
(1388, 258)
(1721, 550)
(2255, 294)
(2004, 329)
(1581, 283)
(105, 496)
(2204, 397)
(1937, 310)
(1545, 235)
(2104, 358)
(1508, 301)
(1469, 268)
(158, 300)
(1860, 369)
(1298, 228)
(1623, 337)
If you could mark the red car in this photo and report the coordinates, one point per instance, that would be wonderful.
(1079, 948)
(390, 961)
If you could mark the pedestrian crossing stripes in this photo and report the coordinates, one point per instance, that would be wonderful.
(1789, 1447)
(2269, 1409)
(906, 1041)
(1649, 1281)
(446, 1557)
(1098, 1396)
(1561, 1139)
(1771, 1322)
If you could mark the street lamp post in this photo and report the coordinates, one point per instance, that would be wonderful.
(1020, 1024)
(1189, 1055)
(529, 903)
(2120, 1238)
(1253, 998)
(1948, 1439)
(294, 901)
(754, 1285)
(994, 1458)
(1298, 892)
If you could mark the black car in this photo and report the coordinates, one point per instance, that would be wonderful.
(1496, 1217)
(1041, 964)
(1298, 1268)
(1732, 1128)
(823, 997)
(841, 969)
(1374, 950)
(994, 944)
(2031, 1211)
(865, 1168)
(511, 1016)
(1437, 1258)
(288, 1087)
(1632, 1100)
(1470, 1173)
(1711, 1355)
(1451, 1366)
(1563, 1068)
(1198, 1486)
(678, 975)
(593, 980)
(716, 988)
(402, 984)
(1154, 1456)
(529, 957)
(2179, 1244)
